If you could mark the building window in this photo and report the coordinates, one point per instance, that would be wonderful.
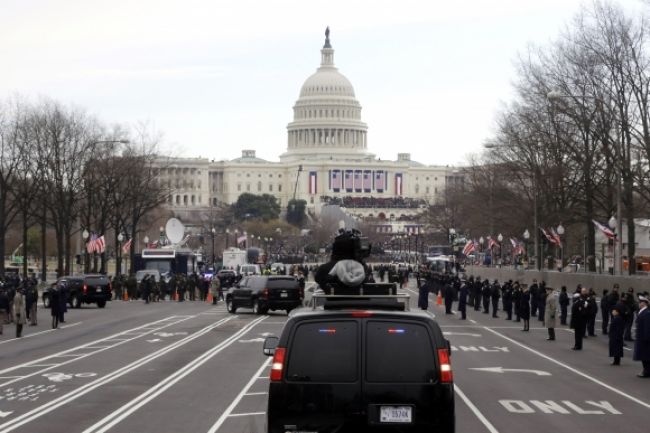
(239, 187)
(193, 200)
(417, 189)
(185, 200)
(428, 190)
(270, 187)
(279, 187)
(259, 186)
(248, 187)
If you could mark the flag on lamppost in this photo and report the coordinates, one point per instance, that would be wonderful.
(126, 246)
(606, 230)
(469, 248)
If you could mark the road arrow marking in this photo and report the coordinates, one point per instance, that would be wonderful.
(155, 340)
(461, 333)
(252, 340)
(5, 414)
(517, 370)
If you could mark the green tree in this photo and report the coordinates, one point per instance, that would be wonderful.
(296, 212)
(251, 206)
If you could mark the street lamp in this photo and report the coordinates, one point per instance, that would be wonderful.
(526, 237)
(146, 240)
(613, 224)
(214, 232)
(85, 235)
(500, 239)
(120, 238)
(162, 236)
(560, 232)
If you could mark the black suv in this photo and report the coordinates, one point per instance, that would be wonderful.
(83, 289)
(265, 292)
(360, 364)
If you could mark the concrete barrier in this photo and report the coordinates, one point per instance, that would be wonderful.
(557, 279)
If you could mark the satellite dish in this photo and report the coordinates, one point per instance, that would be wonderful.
(174, 230)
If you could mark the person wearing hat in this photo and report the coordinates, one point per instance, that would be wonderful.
(524, 307)
(579, 317)
(642, 342)
(550, 313)
(615, 332)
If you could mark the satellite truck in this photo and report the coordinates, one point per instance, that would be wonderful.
(171, 259)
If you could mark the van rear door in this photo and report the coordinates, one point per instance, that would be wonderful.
(321, 386)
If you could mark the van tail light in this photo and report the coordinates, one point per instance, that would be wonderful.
(265, 293)
(446, 375)
(85, 289)
(361, 313)
(278, 364)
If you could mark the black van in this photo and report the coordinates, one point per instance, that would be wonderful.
(83, 289)
(360, 367)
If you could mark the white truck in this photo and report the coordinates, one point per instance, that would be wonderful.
(234, 258)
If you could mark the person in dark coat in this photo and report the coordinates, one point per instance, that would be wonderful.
(476, 289)
(462, 299)
(507, 299)
(63, 301)
(605, 306)
(564, 304)
(524, 308)
(423, 297)
(495, 295)
(516, 300)
(449, 297)
(592, 312)
(55, 306)
(541, 301)
(615, 331)
(486, 293)
(579, 318)
(534, 297)
(642, 341)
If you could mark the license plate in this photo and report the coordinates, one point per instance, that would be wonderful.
(284, 295)
(397, 414)
(99, 290)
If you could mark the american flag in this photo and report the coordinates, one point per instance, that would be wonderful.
(367, 181)
(469, 248)
(556, 237)
(336, 180)
(491, 242)
(380, 181)
(517, 247)
(127, 246)
(606, 230)
(548, 236)
(241, 239)
(348, 181)
(96, 244)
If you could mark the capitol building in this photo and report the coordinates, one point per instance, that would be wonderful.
(327, 162)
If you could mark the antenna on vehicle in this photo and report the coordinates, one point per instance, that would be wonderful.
(174, 230)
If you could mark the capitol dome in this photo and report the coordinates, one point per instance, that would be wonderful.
(327, 116)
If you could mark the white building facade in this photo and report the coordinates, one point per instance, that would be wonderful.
(326, 162)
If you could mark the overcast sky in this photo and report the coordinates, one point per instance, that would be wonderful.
(219, 76)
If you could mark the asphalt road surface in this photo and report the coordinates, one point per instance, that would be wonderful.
(192, 367)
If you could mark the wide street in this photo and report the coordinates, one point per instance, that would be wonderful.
(192, 367)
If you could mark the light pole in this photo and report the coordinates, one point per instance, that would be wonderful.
(615, 225)
(146, 241)
(85, 235)
(560, 232)
(500, 239)
(214, 232)
(526, 237)
(481, 241)
(120, 238)
(162, 236)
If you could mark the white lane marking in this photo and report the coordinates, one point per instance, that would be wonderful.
(85, 389)
(502, 370)
(237, 399)
(573, 369)
(472, 320)
(461, 333)
(41, 333)
(75, 357)
(256, 393)
(233, 415)
(474, 409)
(118, 415)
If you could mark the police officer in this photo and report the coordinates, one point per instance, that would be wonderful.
(495, 294)
(534, 298)
(507, 299)
(579, 317)
(449, 296)
(564, 304)
(462, 298)
(486, 292)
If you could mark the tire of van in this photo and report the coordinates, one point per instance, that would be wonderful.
(230, 306)
(76, 302)
(101, 304)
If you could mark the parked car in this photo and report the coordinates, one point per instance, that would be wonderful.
(263, 293)
(83, 289)
(360, 365)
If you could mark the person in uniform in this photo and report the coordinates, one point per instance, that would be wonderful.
(20, 311)
(524, 307)
(564, 304)
(579, 317)
(615, 332)
(550, 313)
(534, 297)
(495, 295)
(486, 293)
(215, 289)
(423, 294)
(462, 299)
(592, 312)
(642, 342)
(449, 296)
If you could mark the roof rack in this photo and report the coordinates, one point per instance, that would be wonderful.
(380, 296)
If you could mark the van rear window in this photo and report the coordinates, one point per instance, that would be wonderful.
(282, 283)
(398, 352)
(97, 281)
(324, 352)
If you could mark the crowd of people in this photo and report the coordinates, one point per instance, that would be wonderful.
(521, 303)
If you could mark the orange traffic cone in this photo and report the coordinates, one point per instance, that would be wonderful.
(125, 295)
(209, 300)
(439, 298)
(175, 295)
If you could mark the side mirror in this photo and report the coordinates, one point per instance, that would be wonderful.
(448, 347)
(270, 343)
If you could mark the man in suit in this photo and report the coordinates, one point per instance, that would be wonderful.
(642, 341)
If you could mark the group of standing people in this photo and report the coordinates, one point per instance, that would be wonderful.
(18, 303)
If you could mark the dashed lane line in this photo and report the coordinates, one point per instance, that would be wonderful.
(572, 369)
(228, 412)
(127, 409)
(85, 389)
